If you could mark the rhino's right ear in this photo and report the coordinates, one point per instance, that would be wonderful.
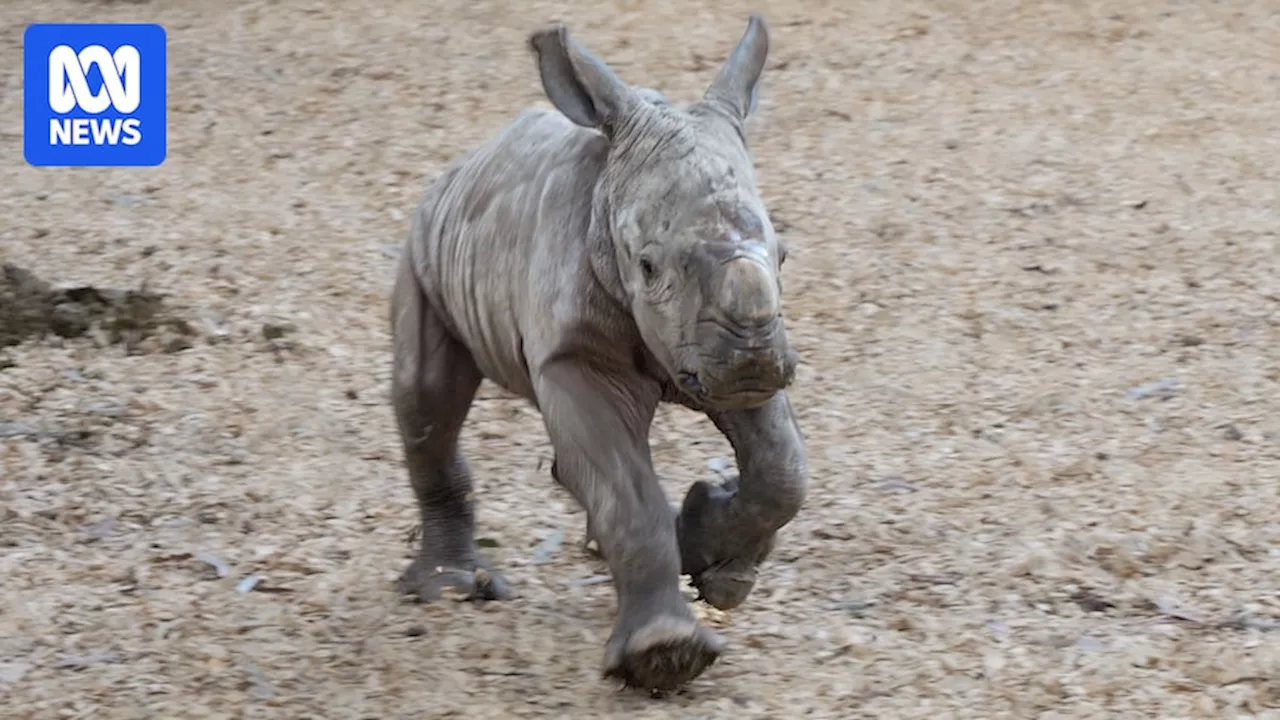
(577, 83)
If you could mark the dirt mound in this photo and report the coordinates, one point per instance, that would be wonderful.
(31, 307)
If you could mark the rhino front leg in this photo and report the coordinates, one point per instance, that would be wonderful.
(598, 424)
(434, 381)
(727, 531)
(589, 545)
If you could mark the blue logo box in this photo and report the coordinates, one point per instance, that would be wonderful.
(94, 95)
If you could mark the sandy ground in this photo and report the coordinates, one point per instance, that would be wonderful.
(1034, 279)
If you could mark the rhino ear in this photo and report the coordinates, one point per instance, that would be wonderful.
(736, 86)
(577, 83)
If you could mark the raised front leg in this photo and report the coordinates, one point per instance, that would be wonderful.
(727, 531)
(434, 381)
(599, 426)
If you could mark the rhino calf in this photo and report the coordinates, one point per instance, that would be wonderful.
(596, 260)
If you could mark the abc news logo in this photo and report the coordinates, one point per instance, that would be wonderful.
(95, 94)
(69, 89)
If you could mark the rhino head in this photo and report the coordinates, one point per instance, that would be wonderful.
(697, 259)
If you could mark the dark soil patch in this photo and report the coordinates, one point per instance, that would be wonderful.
(31, 307)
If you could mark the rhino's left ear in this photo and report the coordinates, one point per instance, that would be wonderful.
(736, 86)
(580, 85)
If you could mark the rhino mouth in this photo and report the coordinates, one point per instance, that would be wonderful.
(742, 392)
(725, 366)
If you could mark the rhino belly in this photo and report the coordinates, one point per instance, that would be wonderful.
(505, 367)
(489, 332)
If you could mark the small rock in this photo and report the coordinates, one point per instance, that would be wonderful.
(69, 320)
(277, 330)
(1232, 433)
(415, 631)
(1090, 601)
(237, 457)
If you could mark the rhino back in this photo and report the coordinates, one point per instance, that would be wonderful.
(499, 242)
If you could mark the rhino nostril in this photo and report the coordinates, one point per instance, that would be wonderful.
(788, 370)
(691, 384)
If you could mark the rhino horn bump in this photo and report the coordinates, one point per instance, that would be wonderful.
(749, 293)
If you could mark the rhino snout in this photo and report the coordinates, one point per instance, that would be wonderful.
(740, 371)
(743, 356)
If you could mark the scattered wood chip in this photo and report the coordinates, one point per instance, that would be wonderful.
(897, 485)
(1160, 388)
(549, 546)
(593, 580)
(80, 662)
(1090, 644)
(13, 671)
(218, 564)
(247, 585)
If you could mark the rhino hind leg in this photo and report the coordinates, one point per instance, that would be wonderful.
(434, 382)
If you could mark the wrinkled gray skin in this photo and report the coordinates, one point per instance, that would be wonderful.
(597, 261)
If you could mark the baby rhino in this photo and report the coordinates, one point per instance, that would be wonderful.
(596, 260)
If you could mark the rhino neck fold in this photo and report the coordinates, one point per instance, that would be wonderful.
(600, 249)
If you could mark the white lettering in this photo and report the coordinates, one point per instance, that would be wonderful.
(105, 131)
(132, 131)
(59, 132)
(80, 126)
(95, 131)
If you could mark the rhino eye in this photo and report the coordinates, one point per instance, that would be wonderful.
(648, 269)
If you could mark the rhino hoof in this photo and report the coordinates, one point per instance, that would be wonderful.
(725, 587)
(430, 582)
(663, 655)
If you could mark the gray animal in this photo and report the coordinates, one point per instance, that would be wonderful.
(597, 261)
